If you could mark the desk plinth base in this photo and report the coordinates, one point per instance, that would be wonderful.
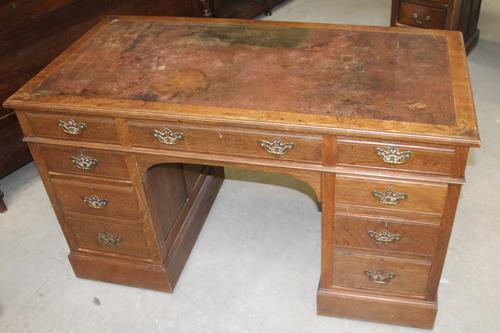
(146, 275)
(416, 313)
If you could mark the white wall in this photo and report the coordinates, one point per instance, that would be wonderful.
(489, 20)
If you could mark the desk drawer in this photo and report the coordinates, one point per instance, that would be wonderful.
(385, 235)
(81, 128)
(391, 195)
(83, 161)
(422, 16)
(91, 234)
(224, 141)
(394, 156)
(381, 273)
(116, 201)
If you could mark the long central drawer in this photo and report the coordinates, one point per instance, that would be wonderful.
(275, 145)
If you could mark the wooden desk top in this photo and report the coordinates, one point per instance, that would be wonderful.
(330, 78)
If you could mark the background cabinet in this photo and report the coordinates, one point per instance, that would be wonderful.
(462, 15)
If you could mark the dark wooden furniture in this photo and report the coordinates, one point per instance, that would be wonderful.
(33, 33)
(120, 131)
(242, 9)
(461, 15)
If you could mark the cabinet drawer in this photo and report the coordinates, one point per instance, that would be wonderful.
(83, 161)
(394, 156)
(388, 236)
(391, 195)
(223, 141)
(422, 16)
(116, 201)
(91, 234)
(381, 273)
(62, 126)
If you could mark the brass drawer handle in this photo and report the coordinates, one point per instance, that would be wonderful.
(71, 127)
(167, 136)
(419, 21)
(392, 155)
(95, 202)
(83, 162)
(108, 239)
(384, 237)
(380, 277)
(389, 197)
(276, 146)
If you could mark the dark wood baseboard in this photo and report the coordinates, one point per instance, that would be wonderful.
(471, 42)
(3, 207)
(151, 275)
(416, 313)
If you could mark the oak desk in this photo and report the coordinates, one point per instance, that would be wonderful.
(130, 127)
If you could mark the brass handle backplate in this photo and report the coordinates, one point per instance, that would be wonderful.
(71, 127)
(389, 197)
(108, 239)
(418, 21)
(393, 155)
(167, 136)
(380, 277)
(83, 162)
(276, 146)
(384, 237)
(95, 202)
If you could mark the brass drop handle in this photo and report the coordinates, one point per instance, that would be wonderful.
(108, 238)
(418, 21)
(384, 237)
(389, 197)
(95, 202)
(276, 146)
(167, 136)
(71, 127)
(392, 155)
(380, 277)
(83, 162)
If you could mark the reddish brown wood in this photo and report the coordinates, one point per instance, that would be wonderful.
(428, 159)
(34, 32)
(392, 310)
(414, 238)
(410, 276)
(107, 163)
(226, 141)
(165, 190)
(421, 197)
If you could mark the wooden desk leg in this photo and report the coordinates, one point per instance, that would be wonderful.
(207, 11)
(3, 208)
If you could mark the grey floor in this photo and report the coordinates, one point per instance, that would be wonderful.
(255, 266)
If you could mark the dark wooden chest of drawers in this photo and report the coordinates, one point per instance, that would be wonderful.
(129, 141)
(461, 15)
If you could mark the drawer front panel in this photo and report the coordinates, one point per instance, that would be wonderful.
(204, 139)
(422, 16)
(83, 161)
(82, 128)
(394, 156)
(392, 275)
(97, 199)
(391, 195)
(91, 234)
(373, 234)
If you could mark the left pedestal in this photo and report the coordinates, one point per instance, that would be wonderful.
(158, 276)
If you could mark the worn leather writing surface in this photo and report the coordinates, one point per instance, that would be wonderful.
(365, 74)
